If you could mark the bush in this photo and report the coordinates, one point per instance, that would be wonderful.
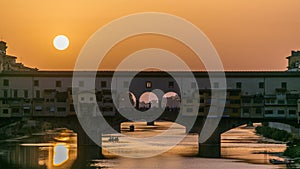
(273, 133)
(292, 151)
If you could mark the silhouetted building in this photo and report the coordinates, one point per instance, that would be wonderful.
(294, 61)
(8, 63)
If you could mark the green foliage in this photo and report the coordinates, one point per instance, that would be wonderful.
(274, 133)
(292, 151)
(293, 143)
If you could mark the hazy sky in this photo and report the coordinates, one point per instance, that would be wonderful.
(248, 34)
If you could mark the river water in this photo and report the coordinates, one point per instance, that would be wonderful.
(56, 149)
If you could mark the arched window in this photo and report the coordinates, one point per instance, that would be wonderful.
(148, 100)
(171, 101)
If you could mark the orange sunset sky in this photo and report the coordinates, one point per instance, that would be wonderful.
(248, 34)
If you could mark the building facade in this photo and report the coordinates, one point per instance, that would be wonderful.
(249, 94)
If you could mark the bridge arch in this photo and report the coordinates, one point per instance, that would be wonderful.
(171, 101)
(147, 100)
(212, 147)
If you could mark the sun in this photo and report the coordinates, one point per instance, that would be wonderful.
(61, 42)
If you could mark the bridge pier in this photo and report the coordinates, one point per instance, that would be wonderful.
(211, 148)
(87, 149)
(151, 123)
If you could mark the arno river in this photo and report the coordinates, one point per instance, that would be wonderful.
(241, 149)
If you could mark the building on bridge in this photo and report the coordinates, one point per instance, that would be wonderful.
(249, 94)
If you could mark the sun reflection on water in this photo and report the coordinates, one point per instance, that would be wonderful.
(60, 153)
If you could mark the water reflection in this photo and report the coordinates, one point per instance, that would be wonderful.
(33, 154)
(59, 150)
(242, 143)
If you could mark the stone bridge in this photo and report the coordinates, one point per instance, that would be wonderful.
(249, 97)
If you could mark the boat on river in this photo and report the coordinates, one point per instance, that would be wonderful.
(285, 161)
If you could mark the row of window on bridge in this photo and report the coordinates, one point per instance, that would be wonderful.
(234, 98)
(148, 84)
